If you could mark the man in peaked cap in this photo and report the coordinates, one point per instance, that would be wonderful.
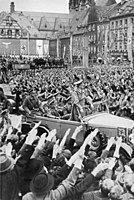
(79, 99)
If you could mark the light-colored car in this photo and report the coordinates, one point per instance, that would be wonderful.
(108, 124)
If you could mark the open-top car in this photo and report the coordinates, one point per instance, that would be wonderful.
(108, 125)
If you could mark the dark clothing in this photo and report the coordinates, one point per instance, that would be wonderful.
(10, 179)
(95, 195)
(4, 101)
(61, 175)
(31, 104)
(77, 191)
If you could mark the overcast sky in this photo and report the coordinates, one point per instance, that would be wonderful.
(36, 5)
(60, 6)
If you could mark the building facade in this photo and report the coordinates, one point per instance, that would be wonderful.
(122, 31)
(28, 33)
(91, 30)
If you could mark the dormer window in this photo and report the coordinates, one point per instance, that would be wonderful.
(45, 25)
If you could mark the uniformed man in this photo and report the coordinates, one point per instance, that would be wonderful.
(80, 101)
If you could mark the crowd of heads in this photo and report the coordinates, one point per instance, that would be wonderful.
(38, 164)
(109, 87)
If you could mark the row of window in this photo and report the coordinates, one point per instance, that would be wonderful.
(91, 38)
(91, 27)
(117, 24)
(92, 49)
(10, 32)
(121, 34)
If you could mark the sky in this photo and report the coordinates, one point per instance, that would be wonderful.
(60, 6)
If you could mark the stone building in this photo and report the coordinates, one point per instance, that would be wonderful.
(92, 29)
(121, 28)
(28, 33)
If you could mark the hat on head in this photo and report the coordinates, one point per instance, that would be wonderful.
(32, 168)
(41, 184)
(127, 150)
(5, 162)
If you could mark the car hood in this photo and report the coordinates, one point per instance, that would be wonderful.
(108, 120)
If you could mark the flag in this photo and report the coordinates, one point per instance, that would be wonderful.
(129, 42)
(39, 47)
(24, 46)
(106, 43)
(113, 39)
(100, 35)
(46, 47)
(64, 51)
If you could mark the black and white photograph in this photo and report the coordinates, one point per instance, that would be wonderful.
(66, 99)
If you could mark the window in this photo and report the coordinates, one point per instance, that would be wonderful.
(116, 34)
(125, 46)
(2, 31)
(93, 27)
(125, 33)
(116, 24)
(120, 22)
(126, 21)
(94, 49)
(132, 20)
(120, 34)
(116, 46)
(112, 24)
(9, 32)
(17, 32)
(89, 40)
(103, 48)
(94, 38)
(89, 28)
(120, 46)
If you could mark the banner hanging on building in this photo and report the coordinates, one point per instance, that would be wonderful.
(106, 43)
(112, 40)
(46, 47)
(24, 47)
(130, 43)
(39, 48)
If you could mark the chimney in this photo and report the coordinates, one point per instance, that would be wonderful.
(12, 7)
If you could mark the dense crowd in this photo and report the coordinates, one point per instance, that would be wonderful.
(56, 90)
(36, 166)
(45, 167)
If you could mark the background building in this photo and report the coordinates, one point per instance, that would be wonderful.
(90, 31)
(28, 33)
